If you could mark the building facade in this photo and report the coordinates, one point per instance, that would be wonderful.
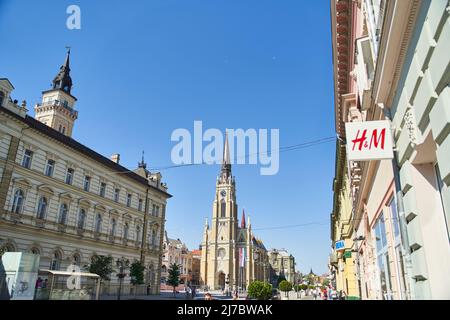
(391, 62)
(176, 252)
(66, 202)
(231, 255)
(281, 264)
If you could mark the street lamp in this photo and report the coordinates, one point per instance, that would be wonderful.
(121, 263)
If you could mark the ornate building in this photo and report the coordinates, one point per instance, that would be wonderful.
(66, 202)
(175, 251)
(281, 264)
(230, 254)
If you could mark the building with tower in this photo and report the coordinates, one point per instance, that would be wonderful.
(231, 256)
(64, 201)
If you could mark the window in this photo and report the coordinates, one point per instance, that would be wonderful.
(129, 200)
(440, 185)
(18, 201)
(26, 161)
(42, 208)
(153, 210)
(153, 237)
(102, 189)
(81, 219)
(383, 258)
(395, 219)
(138, 233)
(63, 130)
(69, 176)
(35, 250)
(113, 227)
(223, 208)
(125, 231)
(116, 195)
(63, 213)
(56, 261)
(98, 223)
(157, 211)
(2, 97)
(49, 168)
(87, 183)
(60, 128)
(140, 205)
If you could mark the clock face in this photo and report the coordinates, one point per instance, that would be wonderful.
(223, 193)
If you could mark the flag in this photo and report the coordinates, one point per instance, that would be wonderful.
(242, 257)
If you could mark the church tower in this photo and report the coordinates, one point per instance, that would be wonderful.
(219, 255)
(57, 107)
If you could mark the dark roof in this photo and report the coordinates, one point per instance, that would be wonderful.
(68, 141)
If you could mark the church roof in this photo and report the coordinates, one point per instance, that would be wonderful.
(71, 143)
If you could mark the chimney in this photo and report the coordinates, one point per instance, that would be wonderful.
(115, 158)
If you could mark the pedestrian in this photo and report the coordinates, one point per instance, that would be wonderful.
(38, 283)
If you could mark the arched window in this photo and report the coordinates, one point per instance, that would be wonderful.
(125, 230)
(138, 233)
(98, 222)
(153, 242)
(42, 208)
(35, 250)
(63, 213)
(56, 261)
(113, 227)
(164, 269)
(223, 208)
(18, 201)
(81, 219)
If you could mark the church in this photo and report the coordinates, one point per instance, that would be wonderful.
(232, 257)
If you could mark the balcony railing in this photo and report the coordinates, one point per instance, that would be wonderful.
(58, 103)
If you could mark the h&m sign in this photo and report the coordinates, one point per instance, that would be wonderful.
(369, 140)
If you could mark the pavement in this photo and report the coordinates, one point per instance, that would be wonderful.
(200, 295)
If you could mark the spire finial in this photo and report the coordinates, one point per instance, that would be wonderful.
(243, 219)
(63, 80)
(226, 162)
(142, 164)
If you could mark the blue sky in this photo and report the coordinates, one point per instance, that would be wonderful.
(142, 69)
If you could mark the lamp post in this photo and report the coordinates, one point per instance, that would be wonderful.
(121, 263)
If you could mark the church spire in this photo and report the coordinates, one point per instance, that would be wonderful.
(226, 163)
(243, 219)
(142, 164)
(63, 80)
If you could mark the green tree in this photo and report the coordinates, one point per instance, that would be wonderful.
(326, 282)
(101, 265)
(174, 276)
(260, 290)
(137, 272)
(285, 286)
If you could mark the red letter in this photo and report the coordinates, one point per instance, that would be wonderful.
(359, 140)
(376, 140)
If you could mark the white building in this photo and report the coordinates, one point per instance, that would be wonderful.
(66, 202)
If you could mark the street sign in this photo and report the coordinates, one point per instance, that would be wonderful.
(369, 140)
(339, 245)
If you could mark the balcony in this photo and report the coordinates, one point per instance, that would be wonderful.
(59, 103)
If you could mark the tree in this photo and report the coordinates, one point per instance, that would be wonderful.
(137, 272)
(285, 286)
(101, 265)
(174, 276)
(325, 282)
(260, 290)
